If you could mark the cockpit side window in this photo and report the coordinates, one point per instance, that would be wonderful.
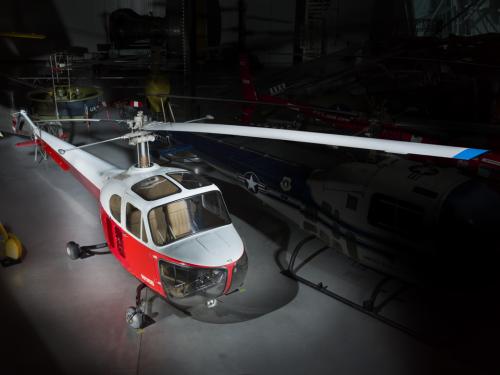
(115, 206)
(159, 226)
(155, 187)
(134, 220)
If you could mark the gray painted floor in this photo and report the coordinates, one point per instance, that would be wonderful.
(68, 316)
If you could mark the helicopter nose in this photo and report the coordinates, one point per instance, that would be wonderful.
(469, 230)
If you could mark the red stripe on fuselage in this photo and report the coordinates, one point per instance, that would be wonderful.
(56, 157)
(94, 190)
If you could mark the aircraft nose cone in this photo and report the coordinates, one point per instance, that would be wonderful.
(214, 248)
(212, 242)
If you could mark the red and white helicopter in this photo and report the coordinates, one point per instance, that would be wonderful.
(171, 229)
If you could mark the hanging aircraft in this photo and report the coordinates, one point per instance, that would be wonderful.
(171, 229)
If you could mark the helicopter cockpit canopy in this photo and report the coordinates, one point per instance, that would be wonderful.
(184, 217)
(162, 207)
(172, 204)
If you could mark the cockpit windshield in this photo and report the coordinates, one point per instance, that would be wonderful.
(182, 218)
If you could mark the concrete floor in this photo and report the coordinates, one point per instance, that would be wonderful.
(68, 316)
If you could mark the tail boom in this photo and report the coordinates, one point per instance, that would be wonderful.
(90, 170)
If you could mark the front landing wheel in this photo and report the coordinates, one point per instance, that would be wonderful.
(134, 317)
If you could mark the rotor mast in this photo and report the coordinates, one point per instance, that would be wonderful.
(141, 140)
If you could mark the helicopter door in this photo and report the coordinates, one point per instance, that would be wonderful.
(139, 255)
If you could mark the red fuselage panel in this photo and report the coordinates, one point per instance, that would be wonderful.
(135, 256)
(140, 260)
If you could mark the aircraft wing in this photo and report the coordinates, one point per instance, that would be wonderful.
(390, 146)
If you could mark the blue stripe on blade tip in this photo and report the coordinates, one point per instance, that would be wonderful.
(469, 153)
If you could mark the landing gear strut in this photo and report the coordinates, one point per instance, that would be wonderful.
(136, 316)
(76, 251)
(368, 307)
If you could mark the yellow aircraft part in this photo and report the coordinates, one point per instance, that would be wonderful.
(10, 246)
(12, 34)
(157, 88)
(13, 247)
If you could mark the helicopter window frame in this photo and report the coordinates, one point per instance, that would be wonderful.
(144, 235)
(395, 215)
(192, 180)
(140, 231)
(169, 236)
(147, 193)
(115, 208)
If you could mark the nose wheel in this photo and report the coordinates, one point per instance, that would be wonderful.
(136, 316)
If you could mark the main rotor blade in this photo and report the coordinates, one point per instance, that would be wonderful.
(396, 147)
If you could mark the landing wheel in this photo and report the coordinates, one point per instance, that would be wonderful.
(73, 250)
(134, 317)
